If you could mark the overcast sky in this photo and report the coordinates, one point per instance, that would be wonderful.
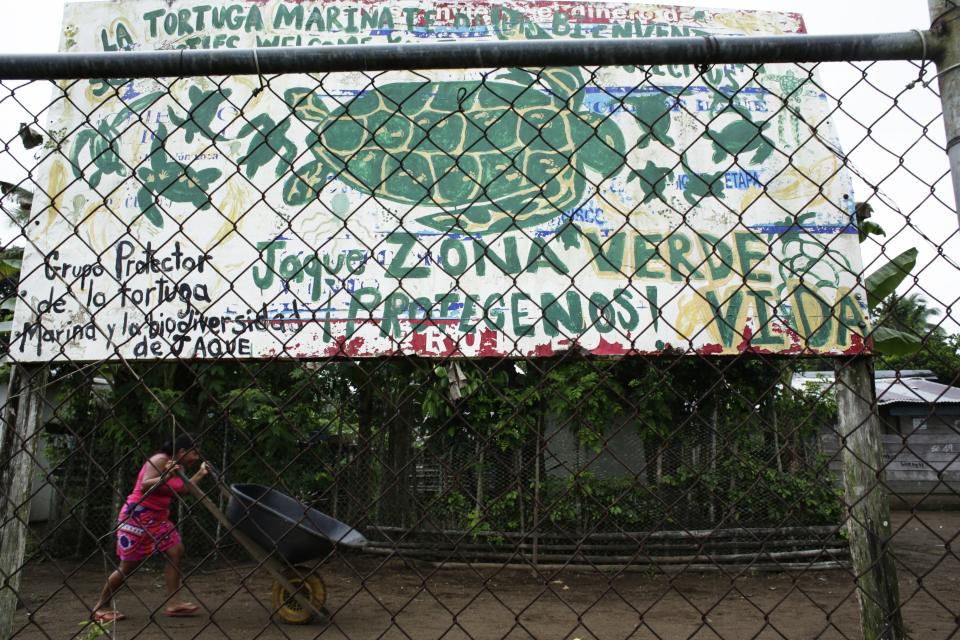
(34, 26)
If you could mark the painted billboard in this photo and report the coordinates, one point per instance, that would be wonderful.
(486, 212)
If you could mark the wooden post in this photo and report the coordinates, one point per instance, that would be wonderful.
(868, 510)
(478, 494)
(538, 460)
(518, 472)
(16, 511)
(6, 425)
(714, 425)
(222, 500)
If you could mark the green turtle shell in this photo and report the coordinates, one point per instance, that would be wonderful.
(481, 156)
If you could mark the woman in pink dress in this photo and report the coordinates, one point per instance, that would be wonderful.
(144, 527)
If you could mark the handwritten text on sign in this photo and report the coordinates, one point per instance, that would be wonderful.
(475, 213)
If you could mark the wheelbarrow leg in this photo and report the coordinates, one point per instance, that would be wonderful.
(266, 559)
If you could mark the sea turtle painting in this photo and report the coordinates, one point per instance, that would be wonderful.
(513, 151)
(741, 137)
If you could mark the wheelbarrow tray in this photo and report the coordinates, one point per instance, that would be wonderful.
(278, 522)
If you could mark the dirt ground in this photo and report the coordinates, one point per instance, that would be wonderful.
(370, 598)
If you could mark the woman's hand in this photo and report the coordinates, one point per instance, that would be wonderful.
(171, 467)
(201, 473)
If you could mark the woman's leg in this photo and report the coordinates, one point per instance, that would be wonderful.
(172, 578)
(114, 582)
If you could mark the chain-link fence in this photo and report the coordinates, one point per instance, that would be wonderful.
(656, 344)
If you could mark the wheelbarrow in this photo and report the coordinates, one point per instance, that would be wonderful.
(280, 532)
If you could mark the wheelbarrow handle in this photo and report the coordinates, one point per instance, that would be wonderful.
(217, 479)
(265, 558)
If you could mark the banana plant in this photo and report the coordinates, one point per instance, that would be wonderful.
(879, 285)
(882, 283)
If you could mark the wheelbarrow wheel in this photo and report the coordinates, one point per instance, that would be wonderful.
(287, 608)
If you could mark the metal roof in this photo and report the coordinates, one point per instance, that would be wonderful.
(910, 389)
(914, 390)
(878, 375)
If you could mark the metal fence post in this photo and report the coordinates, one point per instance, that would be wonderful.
(943, 14)
(16, 512)
(868, 517)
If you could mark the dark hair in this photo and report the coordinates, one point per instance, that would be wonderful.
(183, 441)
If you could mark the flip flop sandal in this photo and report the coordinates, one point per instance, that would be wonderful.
(107, 616)
(182, 611)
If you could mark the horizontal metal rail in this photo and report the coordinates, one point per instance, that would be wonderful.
(530, 53)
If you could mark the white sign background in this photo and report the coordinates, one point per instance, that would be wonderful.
(175, 226)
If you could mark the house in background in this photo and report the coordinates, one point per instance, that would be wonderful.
(920, 419)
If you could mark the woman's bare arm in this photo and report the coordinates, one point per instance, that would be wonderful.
(161, 467)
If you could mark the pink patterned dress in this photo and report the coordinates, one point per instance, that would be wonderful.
(144, 526)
